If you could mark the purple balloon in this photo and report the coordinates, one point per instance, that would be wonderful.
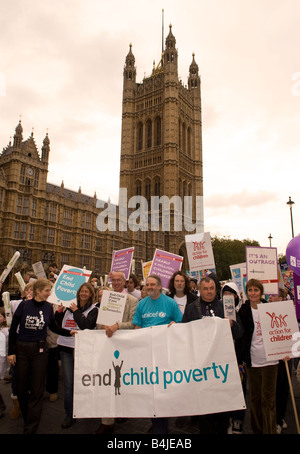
(293, 254)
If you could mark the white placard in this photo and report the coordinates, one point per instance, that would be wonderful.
(262, 265)
(279, 326)
(229, 307)
(38, 270)
(66, 285)
(112, 307)
(199, 250)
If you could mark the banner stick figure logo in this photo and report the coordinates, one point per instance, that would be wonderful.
(117, 369)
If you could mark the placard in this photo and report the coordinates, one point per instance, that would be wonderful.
(262, 265)
(112, 307)
(121, 261)
(237, 274)
(279, 324)
(164, 265)
(38, 270)
(199, 250)
(146, 266)
(9, 267)
(66, 285)
(229, 307)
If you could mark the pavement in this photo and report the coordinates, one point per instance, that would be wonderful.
(53, 416)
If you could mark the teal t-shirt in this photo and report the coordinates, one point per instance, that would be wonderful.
(162, 311)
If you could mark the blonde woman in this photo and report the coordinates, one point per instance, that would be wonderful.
(28, 351)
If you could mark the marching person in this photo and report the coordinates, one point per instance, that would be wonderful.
(118, 283)
(156, 309)
(179, 290)
(261, 374)
(78, 316)
(28, 351)
(209, 305)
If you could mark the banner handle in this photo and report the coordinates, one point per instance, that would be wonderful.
(292, 395)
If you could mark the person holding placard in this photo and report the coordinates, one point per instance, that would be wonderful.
(118, 282)
(228, 291)
(261, 374)
(209, 305)
(282, 387)
(156, 309)
(80, 316)
(26, 294)
(28, 351)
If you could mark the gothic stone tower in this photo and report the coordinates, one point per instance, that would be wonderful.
(161, 146)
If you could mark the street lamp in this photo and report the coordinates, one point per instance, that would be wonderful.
(290, 203)
(270, 239)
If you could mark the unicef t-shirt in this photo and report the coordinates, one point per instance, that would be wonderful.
(160, 311)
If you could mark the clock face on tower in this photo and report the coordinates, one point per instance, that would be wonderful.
(29, 171)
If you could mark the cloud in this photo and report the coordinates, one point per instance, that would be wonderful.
(63, 66)
(243, 200)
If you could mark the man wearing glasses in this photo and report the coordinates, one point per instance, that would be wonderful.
(118, 283)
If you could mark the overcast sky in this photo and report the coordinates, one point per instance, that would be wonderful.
(61, 69)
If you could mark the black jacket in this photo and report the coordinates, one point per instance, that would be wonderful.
(199, 308)
(243, 345)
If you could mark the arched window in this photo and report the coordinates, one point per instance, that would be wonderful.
(157, 186)
(138, 187)
(149, 133)
(148, 190)
(183, 137)
(158, 131)
(140, 136)
(189, 139)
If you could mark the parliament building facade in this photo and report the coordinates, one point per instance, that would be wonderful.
(161, 155)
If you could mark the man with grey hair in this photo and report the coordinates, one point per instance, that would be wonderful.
(156, 309)
(118, 283)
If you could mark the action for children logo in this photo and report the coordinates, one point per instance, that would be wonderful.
(198, 245)
(258, 328)
(279, 327)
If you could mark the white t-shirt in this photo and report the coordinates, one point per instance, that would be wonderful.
(181, 301)
(258, 354)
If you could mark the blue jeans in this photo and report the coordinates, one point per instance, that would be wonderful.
(67, 361)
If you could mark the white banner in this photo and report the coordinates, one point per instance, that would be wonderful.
(279, 326)
(184, 369)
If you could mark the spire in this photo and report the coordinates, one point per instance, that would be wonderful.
(194, 79)
(129, 69)
(170, 54)
(46, 149)
(18, 137)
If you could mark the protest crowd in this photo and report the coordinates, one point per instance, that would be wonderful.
(37, 345)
